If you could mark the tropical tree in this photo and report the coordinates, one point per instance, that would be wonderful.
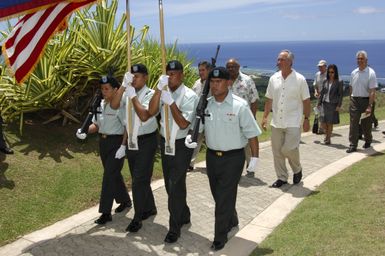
(67, 75)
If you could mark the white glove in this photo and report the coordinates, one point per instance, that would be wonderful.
(131, 93)
(121, 152)
(189, 143)
(127, 80)
(166, 98)
(81, 135)
(253, 164)
(163, 81)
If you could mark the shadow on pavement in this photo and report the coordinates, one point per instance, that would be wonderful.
(112, 239)
(250, 182)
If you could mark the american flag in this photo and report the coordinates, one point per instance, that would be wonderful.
(11, 8)
(26, 42)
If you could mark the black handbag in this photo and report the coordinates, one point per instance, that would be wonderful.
(315, 125)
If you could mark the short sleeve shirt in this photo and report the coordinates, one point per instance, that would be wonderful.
(229, 124)
(145, 94)
(362, 81)
(187, 107)
(319, 79)
(109, 121)
(245, 88)
(287, 96)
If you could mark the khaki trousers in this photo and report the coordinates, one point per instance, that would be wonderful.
(285, 144)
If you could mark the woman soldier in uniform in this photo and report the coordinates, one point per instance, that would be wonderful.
(109, 123)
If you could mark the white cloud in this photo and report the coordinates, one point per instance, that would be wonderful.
(178, 8)
(368, 10)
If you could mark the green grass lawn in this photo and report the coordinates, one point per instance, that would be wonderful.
(52, 176)
(345, 216)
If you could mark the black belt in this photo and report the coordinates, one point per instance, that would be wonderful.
(105, 136)
(144, 136)
(366, 98)
(224, 153)
(175, 140)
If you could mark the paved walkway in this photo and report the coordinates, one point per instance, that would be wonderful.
(260, 209)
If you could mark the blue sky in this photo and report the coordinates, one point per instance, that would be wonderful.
(260, 20)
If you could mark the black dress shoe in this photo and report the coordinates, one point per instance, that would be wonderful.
(297, 177)
(366, 145)
(148, 214)
(134, 226)
(7, 151)
(351, 149)
(103, 219)
(217, 245)
(123, 206)
(278, 183)
(171, 237)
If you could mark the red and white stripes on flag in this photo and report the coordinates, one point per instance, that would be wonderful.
(25, 44)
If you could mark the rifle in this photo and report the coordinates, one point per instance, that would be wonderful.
(95, 103)
(202, 104)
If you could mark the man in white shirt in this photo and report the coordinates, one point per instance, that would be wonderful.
(288, 96)
(363, 84)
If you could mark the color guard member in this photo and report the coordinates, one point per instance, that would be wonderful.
(109, 123)
(229, 126)
(181, 102)
(142, 143)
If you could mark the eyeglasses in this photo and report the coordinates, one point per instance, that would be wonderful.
(331, 72)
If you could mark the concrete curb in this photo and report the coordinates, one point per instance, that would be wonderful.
(60, 227)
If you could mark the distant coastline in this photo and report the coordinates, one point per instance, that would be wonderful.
(259, 57)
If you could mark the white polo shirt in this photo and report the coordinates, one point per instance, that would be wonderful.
(287, 96)
(362, 81)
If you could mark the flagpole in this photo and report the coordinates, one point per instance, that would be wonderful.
(162, 40)
(129, 127)
(163, 50)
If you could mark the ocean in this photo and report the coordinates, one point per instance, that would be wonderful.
(260, 57)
